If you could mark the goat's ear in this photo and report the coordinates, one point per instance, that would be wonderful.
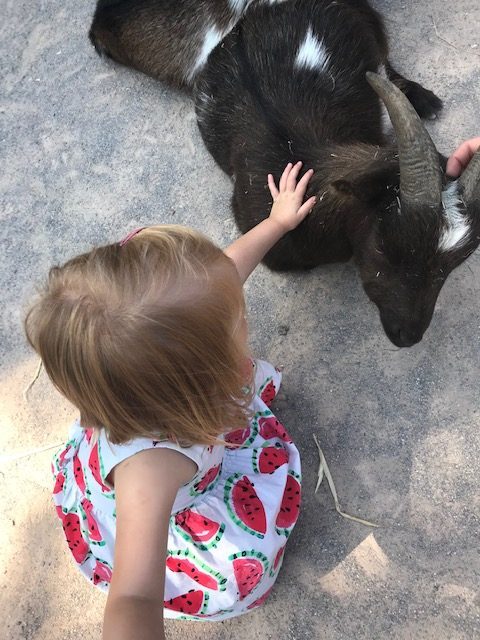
(369, 187)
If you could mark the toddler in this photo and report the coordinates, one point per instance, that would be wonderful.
(178, 488)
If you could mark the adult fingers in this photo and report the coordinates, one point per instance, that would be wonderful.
(454, 167)
(462, 156)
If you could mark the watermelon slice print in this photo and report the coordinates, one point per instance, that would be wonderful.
(290, 507)
(277, 561)
(244, 506)
(102, 572)
(206, 616)
(260, 600)
(269, 459)
(96, 467)
(89, 434)
(187, 563)
(249, 568)
(191, 603)
(73, 534)
(269, 427)
(207, 482)
(241, 438)
(198, 529)
(267, 392)
(78, 473)
(59, 482)
(92, 526)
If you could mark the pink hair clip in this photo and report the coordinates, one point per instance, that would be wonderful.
(130, 235)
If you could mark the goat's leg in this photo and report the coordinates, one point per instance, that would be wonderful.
(424, 101)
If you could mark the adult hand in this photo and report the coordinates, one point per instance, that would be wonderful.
(460, 158)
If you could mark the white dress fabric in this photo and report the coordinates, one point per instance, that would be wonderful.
(229, 524)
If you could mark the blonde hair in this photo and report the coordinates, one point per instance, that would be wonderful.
(144, 338)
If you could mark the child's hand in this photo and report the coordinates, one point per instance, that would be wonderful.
(460, 158)
(288, 210)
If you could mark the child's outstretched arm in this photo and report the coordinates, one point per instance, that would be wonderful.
(287, 212)
(460, 158)
(145, 488)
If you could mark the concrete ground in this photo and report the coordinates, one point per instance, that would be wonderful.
(91, 150)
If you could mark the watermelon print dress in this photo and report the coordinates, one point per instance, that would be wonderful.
(229, 524)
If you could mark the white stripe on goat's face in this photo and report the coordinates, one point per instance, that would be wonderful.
(312, 53)
(456, 228)
(212, 37)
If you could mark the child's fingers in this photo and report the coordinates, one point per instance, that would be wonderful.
(292, 176)
(303, 182)
(272, 186)
(307, 206)
(283, 180)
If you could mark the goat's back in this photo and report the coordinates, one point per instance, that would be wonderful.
(293, 76)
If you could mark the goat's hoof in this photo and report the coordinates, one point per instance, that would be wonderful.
(424, 101)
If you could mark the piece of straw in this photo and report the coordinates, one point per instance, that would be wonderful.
(11, 457)
(323, 470)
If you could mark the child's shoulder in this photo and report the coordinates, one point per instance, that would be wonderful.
(111, 454)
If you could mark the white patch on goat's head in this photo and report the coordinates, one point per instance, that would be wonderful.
(456, 229)
(212, 37)
(312, 53)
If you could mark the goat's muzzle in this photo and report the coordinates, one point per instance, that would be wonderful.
(403, 337)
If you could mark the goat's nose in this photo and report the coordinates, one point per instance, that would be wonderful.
(401, 336)
(408, 337)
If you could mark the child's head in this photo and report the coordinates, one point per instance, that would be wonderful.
(147, 339)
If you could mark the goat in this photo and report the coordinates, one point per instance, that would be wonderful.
(288, 82)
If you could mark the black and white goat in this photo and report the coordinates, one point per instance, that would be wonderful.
(289, 82)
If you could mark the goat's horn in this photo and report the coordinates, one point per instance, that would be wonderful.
(470, 179)
(420, 173)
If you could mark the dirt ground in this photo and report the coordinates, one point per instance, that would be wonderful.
(91, 150)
